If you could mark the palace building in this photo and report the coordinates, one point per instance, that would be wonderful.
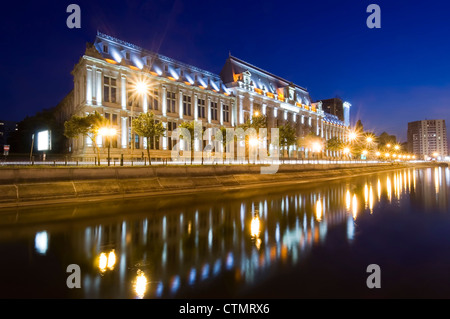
(106, 79)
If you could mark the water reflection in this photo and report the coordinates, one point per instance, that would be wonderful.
(241, 241)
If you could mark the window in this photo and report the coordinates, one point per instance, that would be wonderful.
(186, 105)
(201, 108)
(114, 119)
(153, 100)
(127, 55)
(171, 126)
(213, 110)
(171, 102)
(226, 113)
(105, 48)
(109, 89)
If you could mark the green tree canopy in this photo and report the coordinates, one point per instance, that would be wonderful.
(88, 125)
(146, 126)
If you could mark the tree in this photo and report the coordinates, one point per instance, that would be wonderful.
(359, 128)
(86, 126)
(311, 141)
(334, 144)
(256, 122)
(287, 136)
(385, 139)
(146, 126)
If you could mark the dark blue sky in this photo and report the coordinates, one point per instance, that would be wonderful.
(392, 75)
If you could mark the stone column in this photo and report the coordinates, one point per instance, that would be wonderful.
(99, 87)
(221, 112)
(164, 101)
(89, 85)
(124, 131)
(196, 107)
(180, 104)
(123, 92)
(241, 109)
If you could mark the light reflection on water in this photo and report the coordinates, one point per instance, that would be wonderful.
(220, 246)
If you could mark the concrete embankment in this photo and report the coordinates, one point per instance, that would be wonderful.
(33, 186)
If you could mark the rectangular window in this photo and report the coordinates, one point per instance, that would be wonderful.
(171, 102)
(186, 105)
(213, 111)
(226, 113)
(114, 119)
(155, 99)
(201, 108)
(109, 89)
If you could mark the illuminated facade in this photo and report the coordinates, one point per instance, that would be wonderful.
(107, 76)
(428, 138)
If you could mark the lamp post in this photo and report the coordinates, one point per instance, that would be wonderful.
(108, 132)
(140, 88)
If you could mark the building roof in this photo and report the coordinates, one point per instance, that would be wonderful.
(124, 52)
(260, 79)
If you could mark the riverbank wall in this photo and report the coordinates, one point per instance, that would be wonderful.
(33, 186)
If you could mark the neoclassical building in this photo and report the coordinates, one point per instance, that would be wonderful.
(108, 75)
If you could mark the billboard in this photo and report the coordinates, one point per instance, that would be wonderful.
(44, 142)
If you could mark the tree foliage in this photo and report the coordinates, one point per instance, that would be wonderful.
(146, 126)
(88, 125)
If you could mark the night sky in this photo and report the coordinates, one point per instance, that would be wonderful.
(392, 75)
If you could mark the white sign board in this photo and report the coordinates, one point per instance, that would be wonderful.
(44, 141)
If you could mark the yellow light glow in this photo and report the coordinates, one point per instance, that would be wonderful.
(352, 136)
(102, 262)
(256, 113)
(140, 284)
(355, 206)
(369, 139)
(387, 154)
(377, 153)
(316, 147)
(371, 199)
(348, 200)
(397, 147)
(346, 150)
(107, 131)
(253, 141)
(389, 188)
(319, 210)
(255, 226)
(111, 260)
(364, 152)
(388, 145)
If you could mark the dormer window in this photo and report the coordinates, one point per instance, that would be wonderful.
(127, 55)
(105, 48)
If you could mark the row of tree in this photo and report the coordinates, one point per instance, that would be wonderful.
(146, 126)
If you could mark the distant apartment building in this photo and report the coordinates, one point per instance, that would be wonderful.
(336, 106)
(6, 128)
(427, 138)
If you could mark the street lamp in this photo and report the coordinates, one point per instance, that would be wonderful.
(108, 132)
(140, 87)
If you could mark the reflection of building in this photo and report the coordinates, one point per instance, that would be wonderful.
(427, 137)
(107, 76)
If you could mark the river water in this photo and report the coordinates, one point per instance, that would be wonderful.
(311, 241)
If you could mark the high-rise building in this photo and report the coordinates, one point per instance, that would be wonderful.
(428, 138)
(336, 106)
